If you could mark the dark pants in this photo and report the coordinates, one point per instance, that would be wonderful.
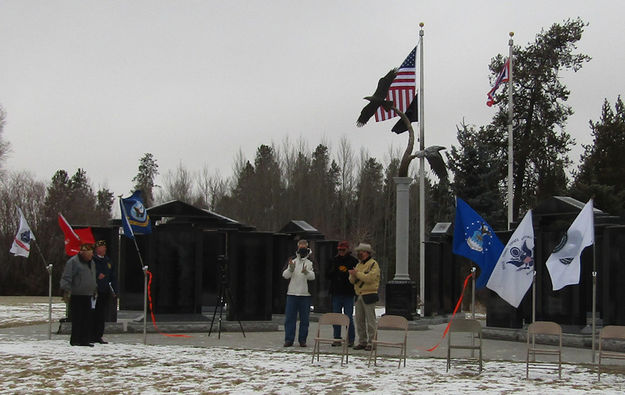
(344, 304)
(99, 315)
(82, 316)
(296, 305)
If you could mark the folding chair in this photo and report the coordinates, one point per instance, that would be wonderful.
(610, 332)
(390, 322)
(543, 328)
(330, 319)
(462, 325)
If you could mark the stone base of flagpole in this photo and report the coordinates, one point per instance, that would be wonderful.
(401, 296)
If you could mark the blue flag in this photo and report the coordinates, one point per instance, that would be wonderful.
(476, 240)
(135, 217)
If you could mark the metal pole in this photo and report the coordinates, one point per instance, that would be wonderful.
(49, 269)
(145, 276)
(473, 269)
(510, 137)
(594, 299)
(145, 305)
(534, 310)
(421, 177)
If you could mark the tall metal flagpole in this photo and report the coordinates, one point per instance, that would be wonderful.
(421, 177)
(145, 276)
(510, 136)
(594, 294)
(49, 269)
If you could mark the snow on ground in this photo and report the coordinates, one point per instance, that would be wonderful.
(53, 366)
(16, 311)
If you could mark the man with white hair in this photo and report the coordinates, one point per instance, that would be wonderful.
(366, 279)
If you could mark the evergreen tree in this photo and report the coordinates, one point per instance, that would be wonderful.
(601, 172)
(144, 180)
(479, 168)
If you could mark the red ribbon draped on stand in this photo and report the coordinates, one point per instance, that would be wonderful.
(464, 287)
(152, 311)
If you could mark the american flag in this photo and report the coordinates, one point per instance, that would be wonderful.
(402, 90)
(504, 76)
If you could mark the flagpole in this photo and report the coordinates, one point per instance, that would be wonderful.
(421, 177)
(145, 275)
(49, 269)
(594, 297)
(510, 135)
(473, 270)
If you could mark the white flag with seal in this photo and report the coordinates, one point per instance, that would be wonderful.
(564, 263)
(21, 242)
(514, 271)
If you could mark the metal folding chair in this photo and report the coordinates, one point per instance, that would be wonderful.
(392, 322)
(543, 328)
(461, 325)
(330, 319)
(610, 332)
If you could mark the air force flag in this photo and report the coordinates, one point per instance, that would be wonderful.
(135, 217)
(476, 240)
(564, 263)
(514, 271)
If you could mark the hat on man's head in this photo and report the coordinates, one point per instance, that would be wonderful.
(343, 245)
(86, 247)
(364, 247)
(100, 243)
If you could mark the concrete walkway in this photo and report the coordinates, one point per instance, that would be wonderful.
(269, 336)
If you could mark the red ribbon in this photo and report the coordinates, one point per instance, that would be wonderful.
(464, 287)
(152, 311)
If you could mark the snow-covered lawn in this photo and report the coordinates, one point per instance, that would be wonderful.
(52, 366)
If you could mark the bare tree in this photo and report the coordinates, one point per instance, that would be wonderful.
(177, 185)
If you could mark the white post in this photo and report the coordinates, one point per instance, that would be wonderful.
(421, 178)
(402, 185)
(145, 305)
(510, 137)
(594, 299)
(49, 267)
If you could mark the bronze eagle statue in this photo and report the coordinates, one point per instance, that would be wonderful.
(378, 99)
(435, 159)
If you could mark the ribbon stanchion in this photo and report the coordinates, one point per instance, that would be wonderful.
(152, 311)
(464, 287)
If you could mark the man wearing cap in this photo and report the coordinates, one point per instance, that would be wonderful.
(107, 289)
(79, 286)
(342, 290)
(299, 272)
(366, 279)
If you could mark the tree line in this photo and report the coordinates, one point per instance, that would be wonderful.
(351, 195)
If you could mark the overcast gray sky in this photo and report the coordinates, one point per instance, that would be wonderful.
(96, 84)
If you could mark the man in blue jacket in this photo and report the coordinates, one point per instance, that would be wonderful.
(107, 290)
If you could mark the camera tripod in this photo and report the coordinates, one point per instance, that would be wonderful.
(223, 296)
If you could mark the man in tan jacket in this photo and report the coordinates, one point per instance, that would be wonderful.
(366, 279)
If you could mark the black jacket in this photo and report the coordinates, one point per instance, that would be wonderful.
(105, 266)
(339, 276)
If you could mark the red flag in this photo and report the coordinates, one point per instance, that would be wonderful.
(74, 237)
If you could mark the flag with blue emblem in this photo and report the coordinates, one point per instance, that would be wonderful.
(21, 241)
(135, 219)
(514, 272)
(475, 239)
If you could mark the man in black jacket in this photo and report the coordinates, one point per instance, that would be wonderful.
(107, 290)
(342, 290)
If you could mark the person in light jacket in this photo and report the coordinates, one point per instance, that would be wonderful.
(366, 279)
(298, 271)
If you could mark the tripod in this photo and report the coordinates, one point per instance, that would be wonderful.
(223, 296)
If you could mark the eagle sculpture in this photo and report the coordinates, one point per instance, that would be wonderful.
(378, 99)
(435, 159)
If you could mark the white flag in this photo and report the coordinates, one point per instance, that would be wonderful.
(564, 262)
(514, 271)
(21, 242)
